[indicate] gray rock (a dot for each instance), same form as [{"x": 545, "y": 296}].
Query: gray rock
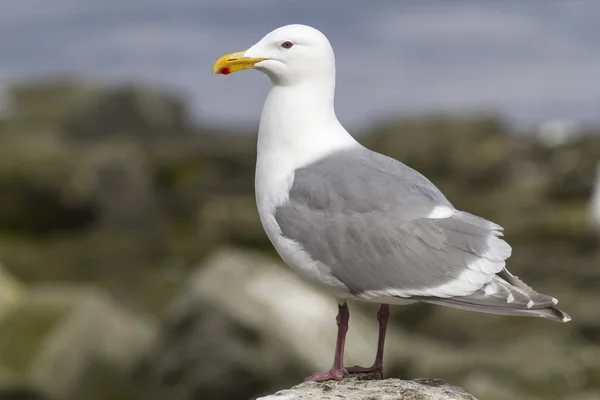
[
  {"x": 594, "y": 203},
  {"x": 115, "y": 177},
  {"x": 128, "y": 110},
  {"x": 10, "y": 291},
  {"x": 388, "y": 389},
  {"x": 55, "y": 337},
  {"x": 248, "y": 319}
]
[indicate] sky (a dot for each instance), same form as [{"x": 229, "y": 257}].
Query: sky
[{"x": 528, "y": 61}]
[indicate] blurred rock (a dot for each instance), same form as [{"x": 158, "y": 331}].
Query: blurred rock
[
  {"x": 472, "y": 150},
  {"x": 247, "y": 319},
  {"x": 57, "y": 334},
  {"x": 131, "y": 110},
  {"x": 557, "y": 132},
  {"x": 45, "y": 104},
  {"x": 594, "y": 203},
  {"x": 115, "y": 178},
  {"x": 11, "y": 292},
  {"x": 388, "y": 389},
  {"x": 33, "y": 175}
]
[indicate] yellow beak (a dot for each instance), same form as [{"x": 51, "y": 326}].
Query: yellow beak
[{"x": 234, "y": 62}]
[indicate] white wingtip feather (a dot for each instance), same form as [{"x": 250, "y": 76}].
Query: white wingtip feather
[
  {"x": 489, "y": 289},
  {"x": 530, "y": 304}
]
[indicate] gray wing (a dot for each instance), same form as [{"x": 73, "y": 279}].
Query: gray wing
[{"x": 369, "y": 219}]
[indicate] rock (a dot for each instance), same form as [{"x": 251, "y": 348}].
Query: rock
[
  {"x": 57, "y": 338},
  {"x": 388, "y": 389},
  {"x": 33, "y": 173},
  {"x": 248, "y": 319},
  {"x": 42, "y": 104},
  {"x": 10, "y": 292},
  {"x": 594, "y": 204},
  {"x": 115, "y": 178},
  {"x": 128, "y": 110},
  {"x": 469, "y": 151}
]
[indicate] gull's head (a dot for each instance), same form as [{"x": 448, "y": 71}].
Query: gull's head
[{"x": 288, "y": 55}]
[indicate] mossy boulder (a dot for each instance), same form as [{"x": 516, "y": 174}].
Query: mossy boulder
[
  {"x": 128, "y": 110},
  {"x": 45, "y": 104},
  {"x": 56, "y": 333},
  {"x": 11, "y": 292}
]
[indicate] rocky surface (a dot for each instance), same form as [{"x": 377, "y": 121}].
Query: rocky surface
[
  {"x": 388, "y": 389},
  {"x": 57, "y": 338}
]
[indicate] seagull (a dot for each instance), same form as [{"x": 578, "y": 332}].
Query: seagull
[{"x": 355, "y": 222}]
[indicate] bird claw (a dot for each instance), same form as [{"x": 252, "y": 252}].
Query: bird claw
[{"x": 332, "y": 375}]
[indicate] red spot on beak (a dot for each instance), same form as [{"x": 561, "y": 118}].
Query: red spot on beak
[{"x": 224, "y": 71}]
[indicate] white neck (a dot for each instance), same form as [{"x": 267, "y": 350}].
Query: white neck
[
  {"x": 299, "y": 122},
  {"x": 297, "y": 127}
]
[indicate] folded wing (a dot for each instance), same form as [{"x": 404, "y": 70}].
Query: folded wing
[{"x": 384, "y": 230}]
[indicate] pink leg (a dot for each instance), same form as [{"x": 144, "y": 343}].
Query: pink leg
[
  {"x": 337, "y": 371},
  {"x": 382, "y": 316}
]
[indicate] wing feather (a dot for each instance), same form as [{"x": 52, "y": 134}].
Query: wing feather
[
  {"x": 386, "y": 231},
  {"x": 366, "y": 217}
]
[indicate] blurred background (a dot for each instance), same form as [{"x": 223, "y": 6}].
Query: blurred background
[{"x": 133, "y": 264}]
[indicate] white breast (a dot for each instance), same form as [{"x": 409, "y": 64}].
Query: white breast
[
  {"x": 287, "y": 142},
  {"x": 274, "y": 179}
]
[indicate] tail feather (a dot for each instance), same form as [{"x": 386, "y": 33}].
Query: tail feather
[
  {"x": 552, "y": 313},
  {"x": 506, "y": 294}
]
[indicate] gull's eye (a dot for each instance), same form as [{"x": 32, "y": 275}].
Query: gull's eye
[{"x": 287, "y": 44}]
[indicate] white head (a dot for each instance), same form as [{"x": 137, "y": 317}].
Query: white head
[
  {"x": 289, "y": 55},
  {"x": 298, "y": 124}
]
